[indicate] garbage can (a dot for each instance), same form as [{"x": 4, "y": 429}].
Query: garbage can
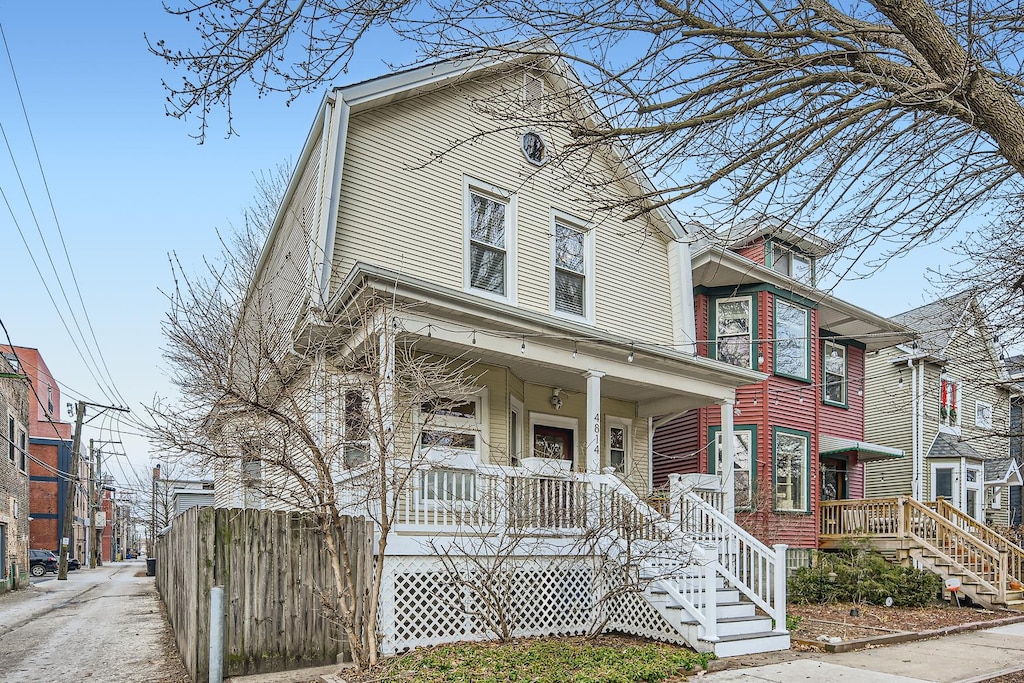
[{"x": 150, "y": 566}]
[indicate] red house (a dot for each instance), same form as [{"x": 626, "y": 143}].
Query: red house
[{"x": 798, "y": 434}]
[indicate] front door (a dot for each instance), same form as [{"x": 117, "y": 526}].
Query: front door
[
  {"x": 556, "y": 443},
  {"x": 834, "y": 480},
  {"x": 946, "y": 483}
]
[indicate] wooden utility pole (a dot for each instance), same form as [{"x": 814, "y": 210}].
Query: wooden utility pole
[
  {"x": 70, "y": 490},
  {"x": 92, "y": 507},
  {"x": 73, "y": 484}
]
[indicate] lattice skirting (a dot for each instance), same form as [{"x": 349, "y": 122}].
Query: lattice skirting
[{"x": 424, "y": 602}]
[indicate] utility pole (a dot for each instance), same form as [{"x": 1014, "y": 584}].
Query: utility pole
[
  {"x": 92, "y": 507},
  {"x": 73, "y": 483},
  {"x": 70, "y": 489}
]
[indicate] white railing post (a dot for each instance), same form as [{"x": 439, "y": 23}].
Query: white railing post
[
  {"x": 675, "y": 497},
  {"x": 780, "y": 588},
  {"x": 711, "y": 601}
]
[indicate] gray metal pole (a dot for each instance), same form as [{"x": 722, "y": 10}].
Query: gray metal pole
[{"x": 216, "y": 634}]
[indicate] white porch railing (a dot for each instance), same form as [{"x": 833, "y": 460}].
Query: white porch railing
[
  {"x": 681, "y": 553},
  {"x": 757, "y": 571}
]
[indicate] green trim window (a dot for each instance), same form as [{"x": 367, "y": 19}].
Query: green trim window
[
  {"x": 833, "y": 368},
  {"x": 733, "y": 326},
  {"x": 744, "y": 465},
  {"x": 792, "y": 340},
  {"x": 792, "y": 470}
]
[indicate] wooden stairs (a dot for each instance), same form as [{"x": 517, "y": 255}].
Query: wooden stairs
[{"x": 938, "y": 537}]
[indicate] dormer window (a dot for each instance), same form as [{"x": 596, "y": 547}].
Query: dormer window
[{"x": 792, "y": 263}]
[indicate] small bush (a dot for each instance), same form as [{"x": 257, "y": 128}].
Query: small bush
[{"x": 857, "y": 575}]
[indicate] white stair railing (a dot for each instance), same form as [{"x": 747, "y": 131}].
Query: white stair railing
[{"x": 757, "y": 571}]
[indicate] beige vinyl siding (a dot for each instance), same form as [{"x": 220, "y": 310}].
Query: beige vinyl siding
[
  {"x": 287, "y": 275},
  {"x": 398, "y": 213},
  {"x": 887, "y": 421}
]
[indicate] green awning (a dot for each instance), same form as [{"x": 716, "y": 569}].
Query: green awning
[{"x": 866, "y": 451}]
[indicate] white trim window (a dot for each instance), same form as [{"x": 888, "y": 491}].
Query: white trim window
[
  {"x": 792, "y": 263},
  {"x": 617, "y": 440},
  {"x": 972, "y": 491},
  {"x": 983, "y": 414},
  {"x": 792, "y": 340},
  {"x": 355, "y": 428},
  {"x": 949, "y": 402},
  {"x": 450, "y": 431},
  {"x": 23, "y": 447},
  {"x": 12, "y": 445},
  {"x": 742, "y": 481},
  {"x": 833, "y": 363},
  {"x": 252, "y": 477},
  {"x": 791, "y": 471},
  {"x": 572, "y": 269},
  {"x": 489, "y": 234},
  {"x": 515, "y": 431},
  {"x": 733, "y": 325}
]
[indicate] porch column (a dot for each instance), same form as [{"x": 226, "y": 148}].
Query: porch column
[
  {"x": 728, "y": 456},
  {"x": 593, "y": 422},
  {"x": 386, "y": 371}
]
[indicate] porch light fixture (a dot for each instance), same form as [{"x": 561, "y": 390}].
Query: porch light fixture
[
  {"x": 522, "y": 349},
  {"x": 574, "y": 349},
  {"x": 556, "y": 400},
  {"x": 474, "y": 336},
  {"x": 429, "y": 331},
  {"x": 900, "y": 385},
  {"x": 760, "y": 356},
  {"x": 629, "y": 358}
]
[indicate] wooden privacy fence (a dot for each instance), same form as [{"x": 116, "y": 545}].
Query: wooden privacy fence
[{"x": 277, "y": 579}]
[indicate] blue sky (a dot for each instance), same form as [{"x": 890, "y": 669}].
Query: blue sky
[{"x": 130, "y": 186}]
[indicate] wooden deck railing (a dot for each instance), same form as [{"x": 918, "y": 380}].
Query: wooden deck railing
[{"x": 905, "y": 518}]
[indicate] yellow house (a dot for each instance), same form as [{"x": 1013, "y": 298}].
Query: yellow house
[{"x": 485, "y": 239}]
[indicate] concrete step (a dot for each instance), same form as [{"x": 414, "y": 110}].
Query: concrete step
[{"x": 735, "y": 626}]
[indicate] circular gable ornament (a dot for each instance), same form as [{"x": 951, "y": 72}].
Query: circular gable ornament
[{"x": 534, "y": 148}]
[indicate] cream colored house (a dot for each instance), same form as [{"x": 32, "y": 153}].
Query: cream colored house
[
  {"x": 493, "y": 246},
  {"x": 944, "y": 400}
]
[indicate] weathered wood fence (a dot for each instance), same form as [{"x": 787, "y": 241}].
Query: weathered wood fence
[{"x": 277, "y": 581}]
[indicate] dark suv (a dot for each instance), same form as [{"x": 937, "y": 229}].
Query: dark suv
[{"x": 42, "y": 561}]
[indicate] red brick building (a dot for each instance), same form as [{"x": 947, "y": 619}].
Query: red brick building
[{"x": 50, "y": 442}]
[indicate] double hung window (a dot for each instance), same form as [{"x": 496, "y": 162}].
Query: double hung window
[
  {"x": 834, "y": 369},
  {"x": 792, "y": 340},
  {"x": 572, "y": 269},
  {"x": 742, "y": 465},
  {"x": 489, "y": 241},
  {"x": 949, "y": 403},
  {"x": 618, "y": 438},
  {"x": 792, "y": 263},
  {"x": 792, "y": 470},
  {"x": 733, "y": 328}
]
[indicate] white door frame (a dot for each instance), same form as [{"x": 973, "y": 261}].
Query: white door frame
[
  {"x": 954, "y": 484},
  {"x": 560, "y": 421}
]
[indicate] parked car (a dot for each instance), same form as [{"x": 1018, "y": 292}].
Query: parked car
[
  {"x": 41, "y": 562},
  {"x": 73, "y": 563}
]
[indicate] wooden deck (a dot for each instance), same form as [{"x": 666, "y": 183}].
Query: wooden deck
[{"x": 938, "y": 537}]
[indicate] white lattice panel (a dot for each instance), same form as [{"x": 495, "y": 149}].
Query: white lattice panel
[
  {"x": 422, "y": 605},
  {"x": 631, "y": 613}
]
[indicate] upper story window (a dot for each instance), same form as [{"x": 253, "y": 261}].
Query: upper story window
[
  {"x": 49, "y": 399},
  {"x": 734, "y": 322},
  {"x": 23, "y": 448},
  {"x": 12, "y": 358},
  {"x": 12, "y": 445},
  {"x": 490, "y": 240},
  {"x": 949, "y": 403},
  {"x": 834, "y": 365},
  {"x": 792, "y": 340},
  {"x": 791, "y": 263},
  {"x": 572, "y": 266},
  {"x": 355, "y": 425}
]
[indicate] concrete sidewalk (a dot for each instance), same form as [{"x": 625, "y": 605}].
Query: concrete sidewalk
[{"x": 968, "y": 657}]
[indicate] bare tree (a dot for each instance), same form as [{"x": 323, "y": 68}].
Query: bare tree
[
  {"x": 318, "y": 412},
  {"x": 879, "y": 124}
]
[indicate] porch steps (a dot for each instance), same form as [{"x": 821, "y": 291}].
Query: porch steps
[
  {"x": 969, "y": 586},
  {"x": 741, "y": 631}
]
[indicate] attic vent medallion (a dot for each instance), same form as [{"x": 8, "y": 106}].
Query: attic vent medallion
[{"x": 534, "y": 148}]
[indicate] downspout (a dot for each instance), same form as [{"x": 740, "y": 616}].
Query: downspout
[
  {"x": 921, "y": 367},
  {"x": 915, "y": 484}
]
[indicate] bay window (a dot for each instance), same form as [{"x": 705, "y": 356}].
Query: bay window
[
  {"x": 733, "y": 330},
  {"x": 792, "y": 340}
]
